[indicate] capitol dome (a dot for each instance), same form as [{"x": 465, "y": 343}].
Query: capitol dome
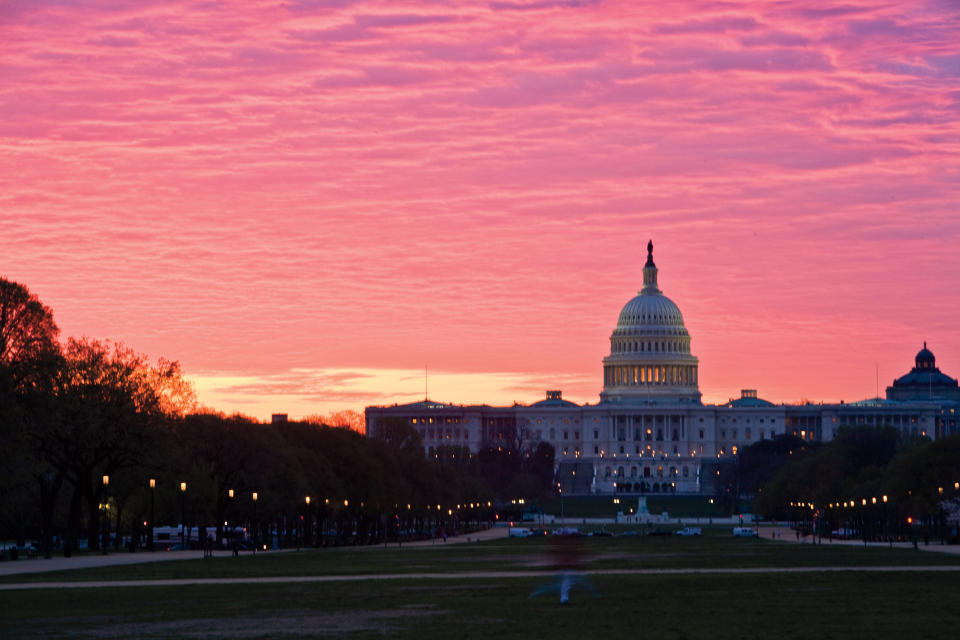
[{"x": 650, "y": 356}]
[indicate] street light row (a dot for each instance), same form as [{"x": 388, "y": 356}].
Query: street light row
[
  {"x": 853, "y": 503},
  {"x": 346, "y": 503}
]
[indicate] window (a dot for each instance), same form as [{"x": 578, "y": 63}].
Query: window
[
  {"x": 596, "y": 434},
  {"x": 553, "y": 434},
  {"x": 748, "y": 433},
  {"x": 701, "y": 434},
  {"x": 576, "y": 435},
  {"x": 566, "y": 435},
  {"x": 596, "y": 450}
]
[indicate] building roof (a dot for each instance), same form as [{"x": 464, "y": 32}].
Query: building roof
[
  {"x": 748, "y": 398},
  {"x": 554, "y": 400}
]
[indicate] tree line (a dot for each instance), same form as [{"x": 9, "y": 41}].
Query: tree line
[
  {"x": 97, "y": 439},
  {"x": 868, "y": 482}
]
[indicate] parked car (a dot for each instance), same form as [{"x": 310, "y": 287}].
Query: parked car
[
  {"x": 539, "y": 533},
  {"x": 843, "y": 534},
  {"x": 601, "y": 533},
  {"x": 690, "y": 531},
  {"x": 744, "y": 532},
  {"x": 519, "y": 532},
  {"x": 566, "y": 531}
]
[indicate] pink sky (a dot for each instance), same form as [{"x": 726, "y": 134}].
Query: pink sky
[{"x": 306, "y": 202}]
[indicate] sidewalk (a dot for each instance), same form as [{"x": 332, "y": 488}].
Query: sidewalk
[
  {"x": 785, "y": 534},
  {"x": 88, "y": 561}
]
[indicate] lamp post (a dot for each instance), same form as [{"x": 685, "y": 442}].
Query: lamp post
[
  {"x": 226, "y": 516},
  {"x": 183, "y": 517},
  {"x": 106, "y": 519},
  {"x": 307, "y": 528},
  {"x": 153, "y": 487},
  {"x": 255, "y": 496}
]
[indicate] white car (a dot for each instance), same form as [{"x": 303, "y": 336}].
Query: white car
[
  {"x": 519, "y": 532},
  {"x": 744, "y": 532},
  {"x": 690, "y": 531}
]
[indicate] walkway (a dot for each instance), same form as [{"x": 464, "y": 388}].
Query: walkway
[
  {"x": 472, "y": 575},
  {"x": 92, "y": 560}
]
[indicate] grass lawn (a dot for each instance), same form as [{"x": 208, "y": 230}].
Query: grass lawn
[{"x": 887, "y": 604}]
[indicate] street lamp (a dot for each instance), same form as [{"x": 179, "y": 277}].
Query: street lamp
[
  {"x": 307, "y": 525},
  {"x": 255, "y": 496},
  {"x": 227, "y": 516},
  {"x": 153, "y": 486},
  {"x": 183, "y": 516},
  {"x": 106, "y": 519}
]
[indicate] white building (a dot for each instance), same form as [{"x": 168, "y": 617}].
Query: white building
[{"x": 650, "y": 433}]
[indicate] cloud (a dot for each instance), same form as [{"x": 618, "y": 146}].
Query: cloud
[
  {"x": 284, "y": 193},
  {"x": 712, "y": 25}
]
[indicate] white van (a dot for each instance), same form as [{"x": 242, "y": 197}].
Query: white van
[
  {"x": 519, "y": 532},
  {"x": 744, "y": 532}
]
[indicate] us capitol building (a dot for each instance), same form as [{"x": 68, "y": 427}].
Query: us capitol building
[{"x": 650, "y": 432}]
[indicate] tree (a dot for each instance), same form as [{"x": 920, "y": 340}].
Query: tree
[
  {"x": 108, "y": 406},
  {"x": 29, "y": 356},
  {"x": 28, "y": 337},
  {"x": 345, "y": 419},
  {"x": 399, "y": 435}
]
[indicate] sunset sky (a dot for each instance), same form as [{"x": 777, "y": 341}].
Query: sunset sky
[{"x": 305, "y": 203}]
